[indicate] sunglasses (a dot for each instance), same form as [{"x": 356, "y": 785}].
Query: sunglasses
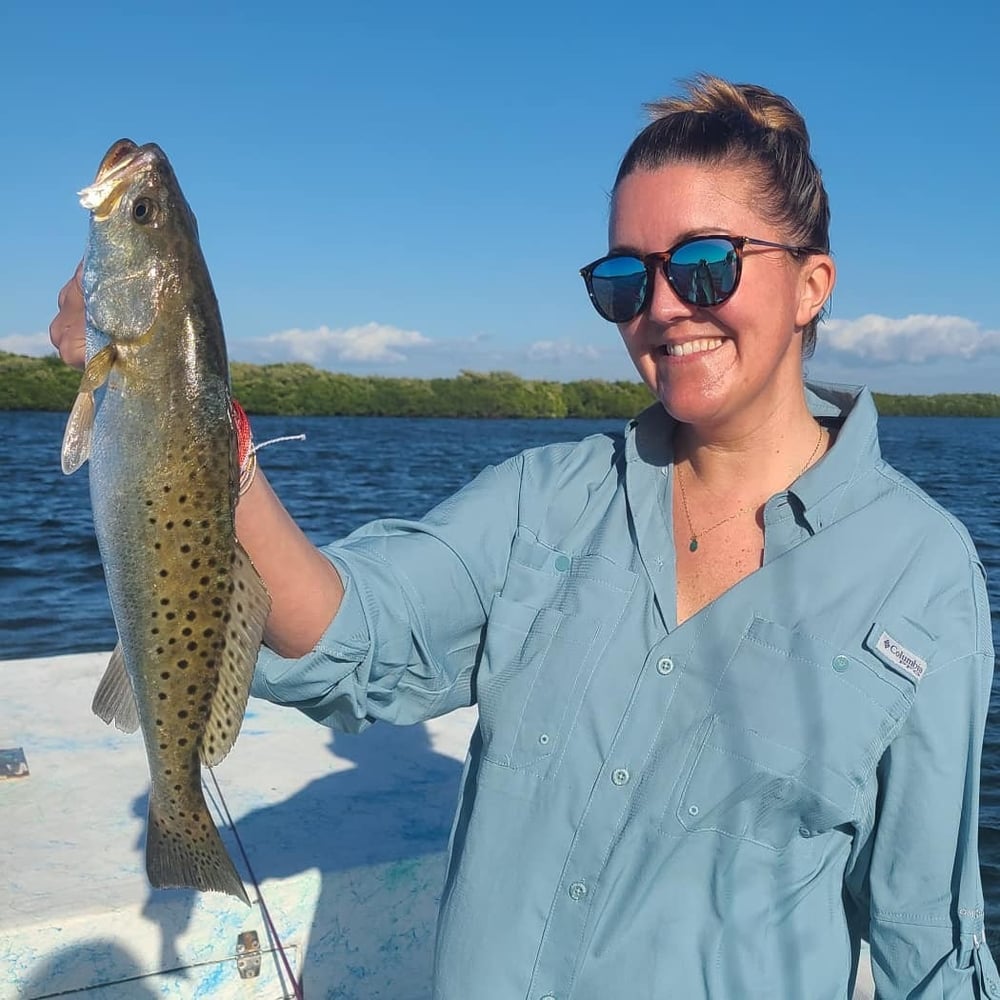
[{"x": 702, "y": 271}]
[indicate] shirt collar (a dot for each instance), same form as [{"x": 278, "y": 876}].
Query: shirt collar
[{"x": 849, "y": 410}]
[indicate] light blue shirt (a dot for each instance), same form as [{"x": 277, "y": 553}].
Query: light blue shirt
[{"x": 718, "y": 809}]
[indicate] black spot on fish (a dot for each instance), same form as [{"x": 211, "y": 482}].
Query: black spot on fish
[
  {"x": 204, "y": 581},
  {"x": 195, "y": 563},
  {"x": 164, "y": 601},
  {"x": 182, "y": 742},
  {"x": 185, "y": 549},
  {"x": 192, "y": 646},
  {"x": 182, "y": 498},
  {"x": 182, "y": 664},
  {"x": 169, "y": 525},
  {"x": 170, "y": 616},
  {"x": 166, "y": 489},
  {"x": 185, "y": 631},
  {"x": 193, "y": 594},
  {"x": 165, "y": 674},
  {"x": 208, "y": 633},
  {"x": 164, "y": 573},
  {"x": 152, "y": 520},
  {"x": 192, "y": 689},
  {"x": 191, "y": 615},
  {"x": 182, "y": 714}
]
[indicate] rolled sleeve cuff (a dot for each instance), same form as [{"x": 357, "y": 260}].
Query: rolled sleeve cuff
[{"x": 328, "y": 683}]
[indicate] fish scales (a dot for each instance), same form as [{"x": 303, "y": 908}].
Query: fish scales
[{"x": 164, "y": 478}]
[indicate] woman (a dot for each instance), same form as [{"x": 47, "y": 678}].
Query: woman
[{"x": 732, "y": 670}]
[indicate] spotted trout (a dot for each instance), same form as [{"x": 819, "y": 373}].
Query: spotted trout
[{"x": 164, "y": 480}]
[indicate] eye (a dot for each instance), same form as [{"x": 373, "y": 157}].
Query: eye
[{"x": 144, "y": 210}]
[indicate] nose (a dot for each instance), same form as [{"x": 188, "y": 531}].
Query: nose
[{"x": 665, "y": 305}]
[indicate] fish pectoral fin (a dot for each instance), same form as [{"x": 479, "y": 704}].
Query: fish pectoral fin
[
  {"x": 114, "y": 700},
  {"x": 76, "y": 438},
  {"x": 249, "y": 606},
  {"x": 80, "y": 426}
]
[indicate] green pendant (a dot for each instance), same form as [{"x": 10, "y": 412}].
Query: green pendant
[{"x": 693, "y": 546}]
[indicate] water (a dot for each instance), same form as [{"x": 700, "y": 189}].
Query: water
[{"x": 352, "y": 469}]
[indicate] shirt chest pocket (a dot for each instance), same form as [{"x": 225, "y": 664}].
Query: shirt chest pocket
[
  {"x": 795, "y": 729},
  {"x": 545, "y": 635}
]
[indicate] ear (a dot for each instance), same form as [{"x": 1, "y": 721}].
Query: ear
[{"x": 816, "y": 280}]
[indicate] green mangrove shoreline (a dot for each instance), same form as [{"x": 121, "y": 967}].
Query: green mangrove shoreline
[{"x": 28, "y": 383}]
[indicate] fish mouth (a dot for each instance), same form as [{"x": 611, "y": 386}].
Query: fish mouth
[{"x": 119, "y": 164}]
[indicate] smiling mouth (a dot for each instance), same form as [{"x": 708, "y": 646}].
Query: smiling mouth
[{"x": 702, "y": 346}]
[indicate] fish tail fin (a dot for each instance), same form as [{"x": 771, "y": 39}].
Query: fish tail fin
[{"x": 184, "y": 850}]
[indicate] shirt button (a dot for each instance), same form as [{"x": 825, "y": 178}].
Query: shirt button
[
  {"x": 841, "y": 663},
  {"x": 664, "y": 665},
  {"x": 577, "y": 891},
  {"x": 693, "y": 810},
  {"x": 562, "y": 563},
  {"x": 620, "y": 776},
  {"x": 544, "y": 738},
  {"x": 804, "y": 831},
  {"x": 548, "y": 996}
]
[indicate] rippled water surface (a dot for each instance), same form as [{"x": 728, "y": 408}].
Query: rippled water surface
[{"x": 351, "y": 469}]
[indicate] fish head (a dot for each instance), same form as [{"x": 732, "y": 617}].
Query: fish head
[{"x": 143, "y": 236}]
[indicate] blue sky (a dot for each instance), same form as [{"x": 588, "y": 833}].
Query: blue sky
[{"x": 410, "y": 189}]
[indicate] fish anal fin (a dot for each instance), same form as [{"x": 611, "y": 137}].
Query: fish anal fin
[
  {"x": 114, "y": 700},
  {"x": 249, "y": 606}
]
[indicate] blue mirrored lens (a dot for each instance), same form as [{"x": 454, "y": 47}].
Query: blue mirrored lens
[
  {"x": 619, "y": 287},
  {"x": 704, "y": 272}
]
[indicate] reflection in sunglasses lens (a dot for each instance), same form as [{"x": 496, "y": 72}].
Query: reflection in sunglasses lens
[
  {"x": 703, "y": 272},
  {"x": 619, "y": 286}
]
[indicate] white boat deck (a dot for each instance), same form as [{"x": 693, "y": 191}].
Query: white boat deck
[{"x": 346, "y": 835}]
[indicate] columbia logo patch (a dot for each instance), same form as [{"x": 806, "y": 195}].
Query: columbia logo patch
[{"x": 898, "y": 656}]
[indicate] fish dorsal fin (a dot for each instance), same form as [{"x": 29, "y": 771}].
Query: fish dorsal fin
[
  {"x": 80, "y": 426},
  {"x": 114, "y": 700},
  {"x": 249, "y": 606}
]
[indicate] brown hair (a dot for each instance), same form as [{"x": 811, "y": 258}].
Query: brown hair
[{"x": 717, "y": 121}]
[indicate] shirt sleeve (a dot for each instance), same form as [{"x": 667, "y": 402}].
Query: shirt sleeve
[
  {"x": 405, "y": 642},
  {"x": 918, "y": 879}
]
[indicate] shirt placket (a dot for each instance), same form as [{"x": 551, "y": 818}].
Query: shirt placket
[{"x": 638, "y": 736}]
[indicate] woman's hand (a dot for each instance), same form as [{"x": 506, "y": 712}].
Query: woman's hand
[{"x": 68, "y": 330}]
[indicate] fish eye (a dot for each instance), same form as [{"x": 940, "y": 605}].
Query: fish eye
[{"x": 144, "y": 210}]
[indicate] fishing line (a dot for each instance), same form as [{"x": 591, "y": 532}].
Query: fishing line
[{"x": 272, "y": 929}]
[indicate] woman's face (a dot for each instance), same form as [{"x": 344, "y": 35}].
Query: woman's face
[{"x": 742, "y": 360}]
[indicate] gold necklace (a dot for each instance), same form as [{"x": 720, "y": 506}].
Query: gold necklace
[{"x": 693, "y": 544}]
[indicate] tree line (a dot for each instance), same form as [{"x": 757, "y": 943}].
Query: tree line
[{"x": 301, "y": 390}]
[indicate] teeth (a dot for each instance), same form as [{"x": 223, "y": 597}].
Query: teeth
[{"x": 693, "y": 347}]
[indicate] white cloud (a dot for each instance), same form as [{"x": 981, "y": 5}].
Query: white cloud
[
  {"x": 36, "y": 345},
  {"x": 370, "y": 344},
  {"x": 911, "y": 340},
  {"x": 561, "y": 350}
]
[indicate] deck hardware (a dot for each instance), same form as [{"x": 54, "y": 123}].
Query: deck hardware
[
  {"x": 13, "y": 763},
  {"x": 248, "y": 955}
]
